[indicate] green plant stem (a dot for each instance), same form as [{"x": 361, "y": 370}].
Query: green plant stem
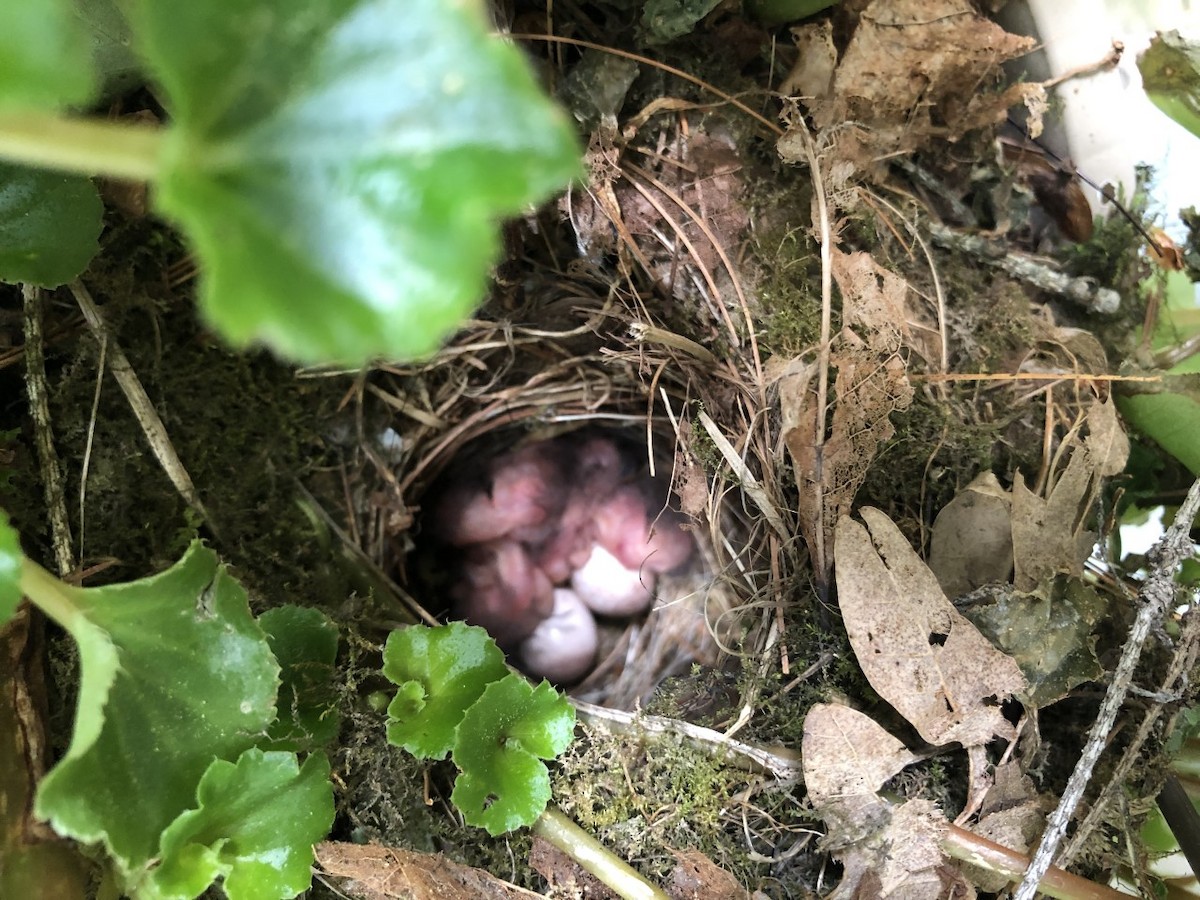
[
  {"x": 81, "y": 146},
  {"x": 49, "y": 594},
  {"x": 555, "y": 827}
]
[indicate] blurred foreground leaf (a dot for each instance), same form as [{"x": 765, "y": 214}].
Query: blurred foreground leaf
[
  {"x": 342, "y": 172},
  {"x": 10, "y": 569},
  {"x": 44, "y": 58},
  {"x": 1170, "y": 70}
]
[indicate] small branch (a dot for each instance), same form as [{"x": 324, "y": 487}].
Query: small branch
[
  {"x": 82, "y": 146},
  {"x": 750, "y": 757},
  {"x": 1097, "y": 299},
  {"x": 593, "y": 856},
  {"x": 139, "y": 402},
  {"x": 979, "y": 851},
  {"x": 43, "y": 432},
  {"x": 1156, "y": 595}
]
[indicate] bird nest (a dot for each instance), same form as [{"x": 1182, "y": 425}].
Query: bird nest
[{"x": 573, "y": 356}]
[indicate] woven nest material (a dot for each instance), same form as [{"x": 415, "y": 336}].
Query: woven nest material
[{"x": 597, "y": 357}]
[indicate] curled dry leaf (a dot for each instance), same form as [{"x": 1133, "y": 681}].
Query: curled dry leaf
[
  {"x": 1049, "y": 534},
  {"x": 915, "y": 71},
  {"x": 871, "y": 384},
  {"x": 886, "y": 851},
  {"x": 972, "y": 538}
]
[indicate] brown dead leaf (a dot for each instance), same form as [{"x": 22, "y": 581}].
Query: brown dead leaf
[
  {"x": 917, "y": 651},
  {"x": 564, "y": 875},
  {"x": 887, "y": 851},
  {"x": 915, "y": 648},
  {"x": 691, "y": 480},
  {"x": 915, "y": 71},
  {"x": 972, "y": 538},
  {"x": 1012, "y": 815},
  {"x": 1108, "y": 444},
  {"x": 386, "y": 873},
  {"x": 1049, "y": 534},
  {"x": 846, "y": 754},
  {"x": 816, "y": 57},
  {"x": 696, "y": 877},
  {"x": 870, "y": 385}
]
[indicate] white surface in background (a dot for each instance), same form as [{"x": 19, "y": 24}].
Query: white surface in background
[{"x": 1110, "y": 123}]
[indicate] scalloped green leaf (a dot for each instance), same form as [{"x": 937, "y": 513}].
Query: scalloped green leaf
[
  {"x": 499, "y": 746},
  {"x": 49, "y": 225},
  {"x": 305, "y": 644},
  {"x": 10, "y": 569},
  {"x": 342, "y": 172},
  {"x": 45, "y": 59},
  {"x": 441, "y": 672},
  {"x": 254, "y": 826},
  {"x": 174, "y": 673}
]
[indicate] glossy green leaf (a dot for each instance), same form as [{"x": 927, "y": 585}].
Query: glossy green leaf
[
  {"x": 254, "y": 826},
  {"x": 499, "y": 747},
  {"x": 665, "y": 20},
  {"x": 175, "y": 673},
  {"x": 441, "y": 672},
  {"x": 342, "y": 172},
  {"x": 44, "y": 58},
  {"x": 305, "y": 644},
  {"x": 1170, "y": 70},
  {"x": 49, "y": 225},
  {"x": 777, "y": 12},
  {"x": 10, "y": 569}
]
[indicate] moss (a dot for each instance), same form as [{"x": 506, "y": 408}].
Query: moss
[{"x": 643, "y": 799}]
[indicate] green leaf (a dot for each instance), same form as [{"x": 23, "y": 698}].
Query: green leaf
[
  {"x": 441, "y": 672},
  {"x": 10, "y": 569},
  {"x": 44, "y": 58},
  {"x": 254, "y": 826},
  {"x": 665, "y": 20},
  {"x": 175, "y": 673},
  {"x": 777, "y": 12},
  {"x": 1048, "y": 633},
  {"x": 342, "y": 171},
  {"x": 504, "y": 785},
  {"x": 1170, "y": 70},
  {"x": 49, "y": 225},
  {"x": 305, "y": 643}
]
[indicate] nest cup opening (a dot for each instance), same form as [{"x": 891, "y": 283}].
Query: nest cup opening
[
  {"x": 563, "y": 420},
  {"x": 574, "y": 556}
]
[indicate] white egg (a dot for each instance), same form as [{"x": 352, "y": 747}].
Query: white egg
[
  {"x": 611, "y": 589},
  {"x": 563, "y": 647}
]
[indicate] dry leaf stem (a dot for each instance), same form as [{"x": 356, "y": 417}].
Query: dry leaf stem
[
  {"x": 139, "y": 402},
  {"x": 1156, "y": 595},
  {"x": 39, "y": 410}
]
